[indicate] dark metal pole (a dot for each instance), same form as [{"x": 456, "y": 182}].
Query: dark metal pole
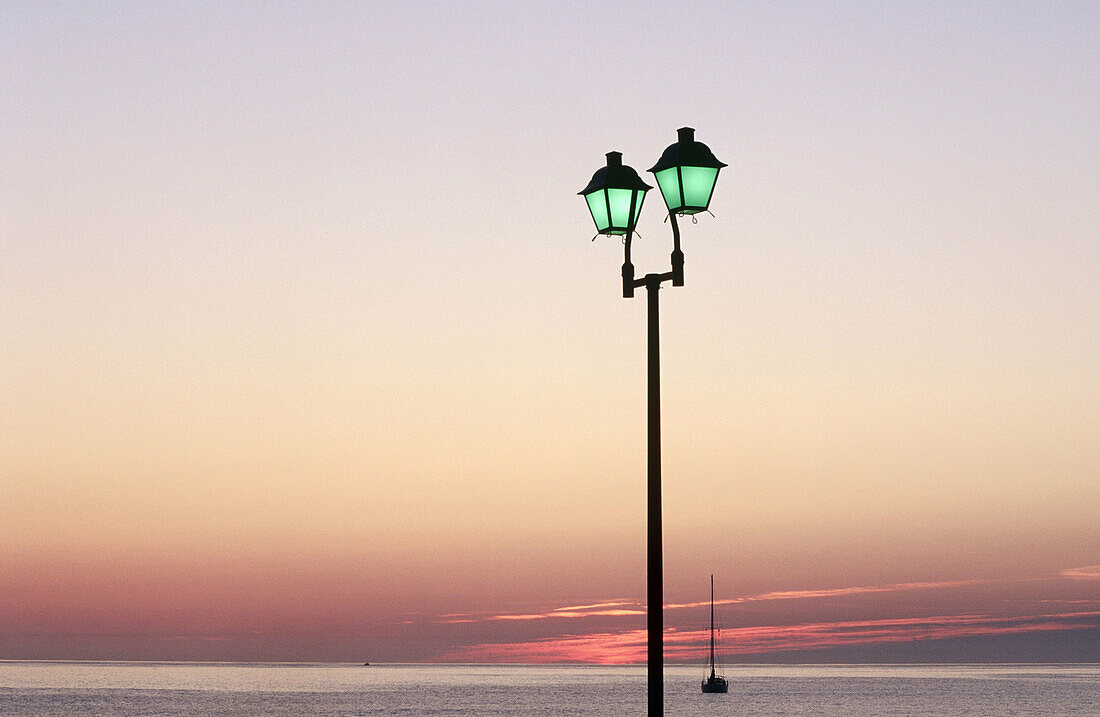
[{"x": 655, "y": 575}]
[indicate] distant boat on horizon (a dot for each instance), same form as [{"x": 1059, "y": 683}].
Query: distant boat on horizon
[{"x": 714, "y": 682}]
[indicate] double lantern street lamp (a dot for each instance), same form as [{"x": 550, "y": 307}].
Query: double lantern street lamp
[{"x": 686, "y": 174}]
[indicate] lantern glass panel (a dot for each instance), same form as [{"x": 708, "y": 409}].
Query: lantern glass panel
[
  {"x": 669, "y": 182},
  {"x": 597, "y": 204},
  {"x": 619, "y": 200},
  {"x": 640, "y": 197},
  {"x": 698, "y": 186}
]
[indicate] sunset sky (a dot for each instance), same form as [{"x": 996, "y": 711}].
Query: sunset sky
[{"x": 307, "y": 354}]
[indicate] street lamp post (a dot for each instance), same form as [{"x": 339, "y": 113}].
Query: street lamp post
[{"x": 686, "y": 174}]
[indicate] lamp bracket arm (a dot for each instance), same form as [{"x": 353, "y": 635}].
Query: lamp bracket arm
[
  {"x": 677, "y": 255},
  {"x": 657, "y": 279},
  {"x": 628, "y": 268}
]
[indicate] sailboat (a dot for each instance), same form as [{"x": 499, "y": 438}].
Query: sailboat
[{"x": 714, "y": 682}]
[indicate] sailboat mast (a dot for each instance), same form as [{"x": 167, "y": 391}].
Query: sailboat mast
[{"x": 712, "y": 624}]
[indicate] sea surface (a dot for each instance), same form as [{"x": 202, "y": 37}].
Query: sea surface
[{"x": 162, "y": 689}]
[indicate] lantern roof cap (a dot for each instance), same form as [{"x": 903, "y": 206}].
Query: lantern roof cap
[
  {"x": 687, "y": 152},
  {"x": 615, "y": 175}
]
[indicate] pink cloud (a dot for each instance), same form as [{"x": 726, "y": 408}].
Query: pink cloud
[
  {"x": 620, "y": 608},
  {"x": 1087, "y": 572},
  {"x": 832, "y": 592},
  {"x": 616, "y": 608},
  {"x": 629, "y": 645},
  {"x": 597, "y": 648},
  {"x": 616, "y": 603},
  {"x": 688, "y": 645}
]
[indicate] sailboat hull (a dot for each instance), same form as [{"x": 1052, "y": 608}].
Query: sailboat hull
[{"x": 715, "y": 684}]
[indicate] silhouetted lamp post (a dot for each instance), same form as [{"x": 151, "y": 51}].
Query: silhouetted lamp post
[{"x": 686, "y": 174}]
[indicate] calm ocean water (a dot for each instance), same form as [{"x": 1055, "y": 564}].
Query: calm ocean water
[{"x": 107, "y": 689}]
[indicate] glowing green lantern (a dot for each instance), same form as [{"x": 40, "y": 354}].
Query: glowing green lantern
[
  {"x": 615, "y": 196},
  {"x": 686, "y": 174}
]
